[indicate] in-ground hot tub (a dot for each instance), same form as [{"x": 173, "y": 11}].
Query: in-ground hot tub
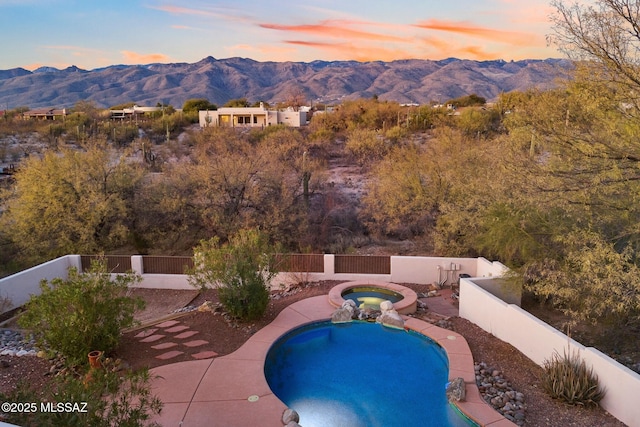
[{"x": 370, "y": 294}]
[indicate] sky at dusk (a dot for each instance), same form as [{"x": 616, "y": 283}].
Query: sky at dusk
[{"x": 92, "y": 34}]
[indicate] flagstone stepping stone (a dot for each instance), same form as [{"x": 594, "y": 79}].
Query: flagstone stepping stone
[
  {"x": 195, "y": 343},
  {"x": 168, "y": 323},
  {"x": 186, "y": 334},
  {"x": 204, "y": 355},
  {"x": 169, "y": 355},
  {"x": 146, "y": 333},
  {"x": 177, "y": 328},
  {"x": 152, "y": 338},
  {"x": 164, "y": 345}
]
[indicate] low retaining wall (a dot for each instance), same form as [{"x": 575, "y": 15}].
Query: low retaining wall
[
  {"x": 18, "y": 288},
  {"x": 403, "y": 269},
  {"x": 538, "y": 341}
]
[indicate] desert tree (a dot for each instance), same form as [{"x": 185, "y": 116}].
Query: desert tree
[
  {"x": 584, "y": 157},
  {"x": 295, "y": 98},
  {"x": 604, "y": 36},
  {"x": 238, "y": 102},
  {"x": 230, "y": 182},
  {"x": 197, "y": 104},
  {"x": 72, "y": 201}
]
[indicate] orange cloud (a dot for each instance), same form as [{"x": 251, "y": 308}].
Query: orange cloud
[
  {"x": 440, "y": 48},
  {"x": 32, "y": 67},
  {"x": 510, "y": 37},
  {"x": 477, "y": 53},
  {"x": 335, "y": 29},
  {"x": 138, "y": 58}
]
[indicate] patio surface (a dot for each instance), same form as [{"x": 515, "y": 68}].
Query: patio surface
[{"x": 231, "y": 390}]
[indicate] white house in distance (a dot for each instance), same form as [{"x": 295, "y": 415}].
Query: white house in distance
[
  {"x": 134, "y": 111},
  {"x": 251, "y": 117}
]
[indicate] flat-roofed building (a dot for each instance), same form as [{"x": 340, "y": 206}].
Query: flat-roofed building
[{"x": 251, "y": 117}]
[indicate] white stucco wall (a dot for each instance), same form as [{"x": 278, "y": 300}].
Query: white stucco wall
[
  {"x": 538, "y": 341},
  {"x": 426, "y": 270},
  {"x": 20, "y": 286}
]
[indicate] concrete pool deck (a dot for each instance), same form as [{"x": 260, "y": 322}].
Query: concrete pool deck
[{"x": 232, "y": 390}]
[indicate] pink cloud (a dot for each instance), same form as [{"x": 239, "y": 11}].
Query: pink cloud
[{"x": 138, "y": 58}]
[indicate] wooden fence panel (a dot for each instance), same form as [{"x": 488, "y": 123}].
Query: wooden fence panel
[
  {"x": 115, "y": 263},
  {"x": 166, "y": 264},
  {"x": 363, "y": 264},
  {"x": 300, "y": 263}
]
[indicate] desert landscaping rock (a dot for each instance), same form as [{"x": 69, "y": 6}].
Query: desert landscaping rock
[
  {"x": 14, "y": 343},
  {"x": 499, "y": 393},
  {"x": 290, "y": 415},
  {"x": 456, "y": 390}
]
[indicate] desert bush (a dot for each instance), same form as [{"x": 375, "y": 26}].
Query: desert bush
[
  {"x": 83, "y": 313},
  {"x": 366, "y": 145},
  {"x": 112, "y": 399},
  {"x": 396, "y": 134},
  {"x": 567, "y": 378},
  {"x": 241, "y": 269}
]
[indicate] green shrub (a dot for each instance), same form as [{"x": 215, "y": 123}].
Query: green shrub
[
  {"x": 241, "y": 269},
  {"x": 83, "y": 313},
  {"x": 246, "y": 298},
  {"x": 112, "y": 399},
  {"x": 567, "y": 378}
]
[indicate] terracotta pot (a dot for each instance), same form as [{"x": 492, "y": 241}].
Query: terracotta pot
[{"x": 94, "y": 359}]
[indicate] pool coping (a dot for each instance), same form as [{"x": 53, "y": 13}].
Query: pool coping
[{"x": 232, "y": 390}]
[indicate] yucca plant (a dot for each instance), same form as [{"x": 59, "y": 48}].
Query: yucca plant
[{"x": 568, "y": 378}]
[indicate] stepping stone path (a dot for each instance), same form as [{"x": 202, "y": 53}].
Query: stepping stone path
[{"x": 172, "y": 334}]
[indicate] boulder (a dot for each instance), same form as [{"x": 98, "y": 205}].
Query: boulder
[
  {"x": 386, "y": 306},
  {"x": 341, "y": 315},
  {"x": 391, "y": 318},
  {"x": 289, "y": 415},
  {"x": 349, "y": 304},
  {"x": 456, "y": 390}
]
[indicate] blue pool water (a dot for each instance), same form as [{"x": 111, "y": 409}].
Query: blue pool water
[{"x": 361, "y": 375}]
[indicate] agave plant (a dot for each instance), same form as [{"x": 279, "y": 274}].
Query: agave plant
[{"x": 568, "y": 378}]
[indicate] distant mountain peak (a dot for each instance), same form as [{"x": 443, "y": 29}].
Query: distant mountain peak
[
  {"x": 219, "y": 80},
  {"x": 73, "y": 69},
  {"x": 45, "y": 69}
]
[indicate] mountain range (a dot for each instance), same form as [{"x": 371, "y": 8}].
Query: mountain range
[{"x": 220, "y": 80}]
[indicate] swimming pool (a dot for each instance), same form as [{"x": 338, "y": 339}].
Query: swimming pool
[{"x": 361, "y": 374}]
